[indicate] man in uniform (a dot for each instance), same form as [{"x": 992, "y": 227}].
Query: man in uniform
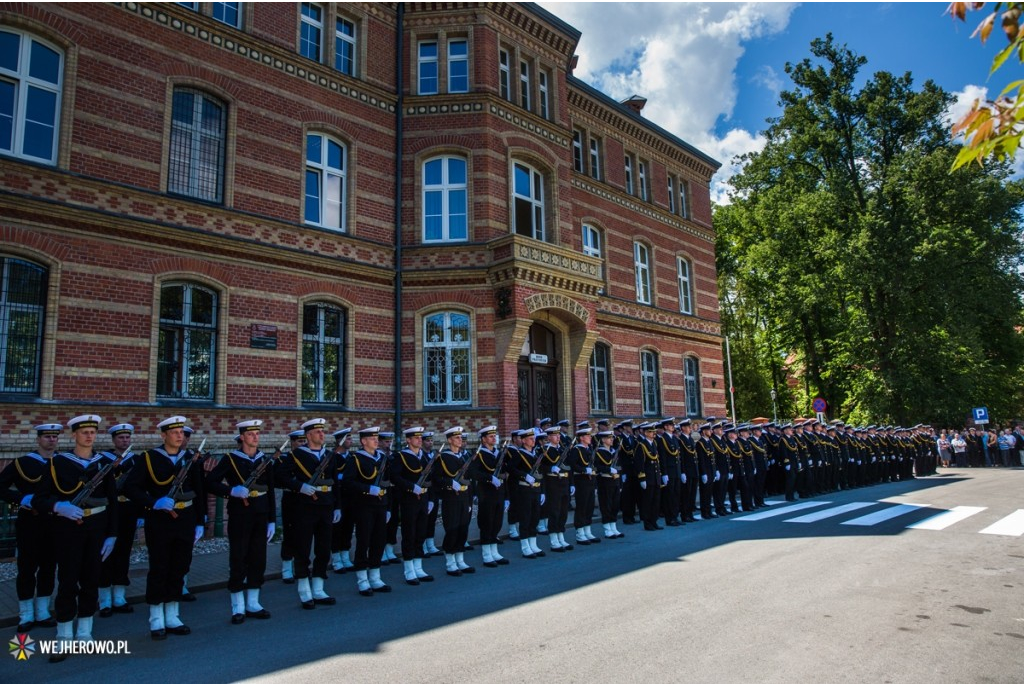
[
  {"x": 626, "y": 449},
  {"x": 524, "y": 480},
  {"x": 366, "y": 481},
  {"x": 609, "y": 483},
  {"x": 168, "y": 484},
  {"x": 580, "y": 462},
  {"x": 429, "y": 546},
  {"x": 721, "y": 467},
  {"x": 487, "y": 472},
  {"x": 649, "y": 475},
  {"x": 245, "y": 479},
  {"x": 670, "y": 458},
  {"x": 407, "y": 472},
  {"x": 706, "y": 467},
  {"x": 789, "y": 456},
  {"x": 760, "y": 449},
  {"x": 689, "y": 475},
  {"x": 296, "y": 439},
  {"x": 114, "y": 579},
  {"x": 456, "y": 506},
  {"x": 37, "y": 561},
  {"x": 558, "y": 488},
  {"x": 386, "y": 440},
  {"x": 342, "y": 531}
]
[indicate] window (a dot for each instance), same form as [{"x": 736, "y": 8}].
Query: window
[
  {"x": 228, "y": 13},
  {"x": 542, "y": 86},
  {"x": 187, "y": 348},
  {"x": 591, "y": 241},
  {"x": 428, "y": 68},
  {"x": 671, "y": 196},
  {"x": 325, "y": 182},
  {"x": 684, "y": 200},
  {"x": 577, "y": 150},
  {"x": 190, "y": 5},
  {"x": 312, "y": 27},
  {"x": 458, "y": 66},
  {"x": 645, "y": 193},
  {"x": 31, "y": 74},
  {"x": 524, "y": 85},
  {"x": 198, "y": 135},
  {"x": 323, "y": 353},
  {"x": 528, "y": 195},
  {"x": 649, "y": 386},
  {"x": 685, "y": 286},
  {"x": 629, "y": 175},
  {"x": 22, "y": 315},
  {"x": 345, "y": 46},
  {"x": 595, "y": 158},
  {"x": 504, "y": 75},
  {"x": 691, "y": 381},
  {"x": 600, "y": 379},
  {"x": 446, "y": 363},
  {"x": 642, "y": 262},
  {"x": 444, "y": 199}
]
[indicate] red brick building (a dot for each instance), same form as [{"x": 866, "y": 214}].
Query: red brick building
[{"x": 198, "y": 212}]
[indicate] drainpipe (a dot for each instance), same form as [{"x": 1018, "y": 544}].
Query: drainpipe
[{"x": 399, "y": 114}]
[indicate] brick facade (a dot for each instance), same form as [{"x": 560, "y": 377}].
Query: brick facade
[{"x": 101, "y": 219}]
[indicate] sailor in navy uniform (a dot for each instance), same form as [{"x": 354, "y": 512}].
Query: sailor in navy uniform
[
  {"x": 114, "y": 579},
  {"x": 580, "y": 462},
  {"x": 609, "y": 483},
  {"x": 343, "y": 530},
  {"x": 366, "y": 482},
  {"x": 386, "y": 441},
  {"x": 526, "y": 487},
  {"x": 492, "y": 499},
  {"x": 429, "y": 546},
  {"x": 37, "y": 561},
  {"x": 84, "y": 531},
  {"x": 689, "y": 475},
  {"x": 251, "y": 518},
  {"x": 456, "y": 505},
  {"x": 413, "y": 501},
  {"x": 296, "y": 439}
]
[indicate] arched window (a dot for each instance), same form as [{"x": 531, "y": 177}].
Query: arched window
[
  {"x": 323, "y": 353},
  {"x": 22, "y": 316},
  {"x": 684, "y": 277},
  {"x": 600, "y": 379},
  {"x": 691, "y": 381},
  {"x": 528, "y": 196},
  {"x": 444, "y": 200},
  {"x": 198, "y": 137},
  {"x": 31, "y": 74},
  {"x": 447, "y": 377},
  {"x": 642, "y": 265},
  {"x": 187, "y": 354},
  {"x": 650, "y": 386},
  {"x": 325, "y": 182}
]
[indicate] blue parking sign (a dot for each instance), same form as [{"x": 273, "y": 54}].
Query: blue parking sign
[{"x": 980, "y": 414}]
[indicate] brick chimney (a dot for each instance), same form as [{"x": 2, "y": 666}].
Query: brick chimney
[{"x": 635, "y": 103}]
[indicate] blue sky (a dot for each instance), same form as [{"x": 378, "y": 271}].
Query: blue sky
[{"x": 712, "y": 71}]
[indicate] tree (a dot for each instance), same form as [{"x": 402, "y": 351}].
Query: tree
[{"x": 850, "y": 245}]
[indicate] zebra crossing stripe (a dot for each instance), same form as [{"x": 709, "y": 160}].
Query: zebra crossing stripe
[
  {"x": 780, "y": 512},
  {"x": 884, "y": 515},
  {"x": 829, "y": 513},
  {"x": 1009, "y": 525},
  {"x": 946, "y": 518}
]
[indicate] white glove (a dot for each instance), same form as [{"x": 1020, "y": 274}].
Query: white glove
[
  {"x": 387, "y": 516},
  {"x": 555, "y": 469},
  {"x": 819, "y": 462},
  {"x": 755, "y": 472},
  {"x": 613, "y": 471},
  {"x": 718, "y": 476},
  {"x": 572, "y": 490},
  {"x": 507, "y": 503},
  {"x": 164, "y": 504},
  {"x": 456, "y": 485},
  {"x": 107, "y": 548},
  {"x": 26, "y": 501},
  {"x": 271, "y": 528},
  {"x": 239, "y": 491},
  {"x": 623, "y": 478},
  {"x": 530, "y": 479},
  {"x": 139, "y": 523},
  {"x": 590, "y": 471},
  {"x": 417, "y": 490},
  {"x": 730, "y": 475},
  {"x": 664, "y": 480},
  {"x": 336, "y": 516},
  {"x": 704, "y": 478},
  {"x": 495, "y": 481},
  {"x": 542, "y": 498},
  {"x": 430, "y": 508},
  {"x": 643, "y": 485},
  {"x": 199, "y": 533},
  {"x": 859, "y": 463},
  {"x": 787, "y": 467},
  {"x": 374, "y": 490},
  {"x": 68, "y": 511},
  {"x": 307, "y": 489},
  {"x": 682, "y": 477}
]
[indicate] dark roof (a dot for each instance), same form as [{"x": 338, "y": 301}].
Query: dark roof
[{"x": 552, "y": 19}]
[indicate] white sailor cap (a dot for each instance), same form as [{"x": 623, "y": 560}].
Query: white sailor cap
[
  {"x": 488, "y": 430},
  {"x": 387, "y": 435},
  {"x": 297, "y": 435},
  {"x": 414, "y": 432},
  {"x": 371, "y": 432},
  {"x": 583, "y": 431},
  {"x": 428, "y": 435},
  {"x": 250, "y": 425},
  {"x": 339, "y": 435},
  {"x": 121, "y": 428},
  {"x": 551, "y": 430},
  {"x": 313, "y": 424},
  {"x": 453, "y": 431},
  {"x": 188, "y": 430},
  {"x": 606, "y": 434},
  {"x": 49, "y": 429},
  {"x": 84, "y": 421}
]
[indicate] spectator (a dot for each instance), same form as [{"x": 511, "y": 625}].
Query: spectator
[
  {"x": 944, "y": 449},
  {"x": 959, "y": 446}
]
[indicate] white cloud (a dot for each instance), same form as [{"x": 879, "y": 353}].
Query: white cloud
[
  {"x": 963, "y": 100},
  {"x": 682, "y": 57}
]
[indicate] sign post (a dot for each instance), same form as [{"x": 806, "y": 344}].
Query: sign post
[{"x": 980, "y": 415}]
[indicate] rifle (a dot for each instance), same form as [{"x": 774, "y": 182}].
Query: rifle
[
  {"x": 422, "y": 482},
  {"x": 179, "y": 480},
  {"x": 460, "y": 474},
  {"x": 124, "y": 476},
  {"x": 536, "y": 465},
  {"x": 501, "y": 461},
  {"x": 258, "y": 471},
  {"x": 319, "y": 471},
  {"x": 95, "y": 481}
]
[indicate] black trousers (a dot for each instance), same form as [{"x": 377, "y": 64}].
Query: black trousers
[
  {"x": 791, "y": 483},
  {"x": 630, "y": 499},
  {"x": 528, "y": 503},
  {"x": 37, "y": 555},
  {"x": 556, "y": 501},
  {"x": 312, "y": 531},
  {"x": 114, "y": 571},
  {"x": 342, "y": 531},
  {"x": 371, "y": 532},
  {"x": 760, "y": 478},
  {"x": 670, "y": 498},
  {"x": 414, "y": 524},
  {"x": 650, "y": 501},
  {"x": 247, "y": 547},
  {"x": 169, "y": 542},
  {"x": 78, "y": 565},
  {"x": 609, "y": 491},
  {"x": 688, "y": 492},
  {"x": 396, "y": 519},
  {"x": 455, "y": 517},
  {"x": 706, "y": 496},
  {"x": 490, "y": 511},
  {"x": 432, "y": 519},
  {"x": 583, "y": 515},
  {"x": 287, "y": 526},
  {"x": 719, "y": 492}
]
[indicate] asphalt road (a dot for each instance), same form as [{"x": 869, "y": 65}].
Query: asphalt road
[{"x": 730, "y": 600}]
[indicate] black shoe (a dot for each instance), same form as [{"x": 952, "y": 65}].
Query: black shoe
[
  {"x": 179, "y": 630},
  {"x": 629, "y": 522},
  {"x": 427, "y": 579},
  {"x": 50, "y": 622},
  {"x": 594, "y": 541},
  {"x": 413, "y": 581},
  {"x": 382, "y": 588},
  {"x": 558, "y": 550},
  {"x": 583, "y": 543},
  {"x": 106, "y": 612},
  {"x": 261, "y": 614},
  {"x": 690, "y": 519},
  {"x": 25, "y": 627},
  {"x": 158, "y": 634},
  {"x": 288, "y": 581},
  {"x": 502, "y": 562},
  {"x": 188, "y": 597},
  {"x": 454, "y": 574},
  {"x": 514, "y": 537},
  {"x": 568, "y": 547},
  {"x": 339, "y": 571},
  {"x": 541, "y": 553},
  {"x": 327, "y": 601},
  {"x": 123, "y": 609},
  {"x": 468, "y": 569},
  {"x": 237, "y": 619},
  {"x": 491, "y": 564},
  {"x": 366, "y": 593},
  {"x": 309, "y": 604},
  {"x": 531, "y": 555}
]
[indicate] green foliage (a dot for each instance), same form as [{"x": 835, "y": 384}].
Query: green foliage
[{"x": 893, "y": 287}]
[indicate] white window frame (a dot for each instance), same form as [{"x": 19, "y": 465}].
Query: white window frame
[
  {"x": 323, "y": 172},
  {"x": 504, "y": 75},
  {"x": 448, "y": 347},
  {"x": 321, "y": 341},
  {"x": 422, "y": 61},
  {"x": 534, "y": 201},
  {"x": 542, "y": 94},
  {"x": 524, "y": 84},
  {"x": 642, "y": 268},
  {"x": 628, "y": 166},
  {"x": 650, "y": 385},
  {"x": 645, "y": 193},
  {"x": 345, "y": 42},
  {"x": 577, "y": 151},
  {"x": 684, "y": 200},
  {"x": 591, "y": 241},
  {"x": 595, "y": 157},
  {"x": 691, "y": 386},
  {"x": 600, "y": 379},
  {"x": 25, "y": 84},
  {"x": 311, "y": 24},
  {"x": 684, "y": 276},
  {"x": 671, "y": 196},
  {"x": 236, "y": 6},
  {"x": 458, "y": 59},
  {"x": 446, "y": 188}
]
